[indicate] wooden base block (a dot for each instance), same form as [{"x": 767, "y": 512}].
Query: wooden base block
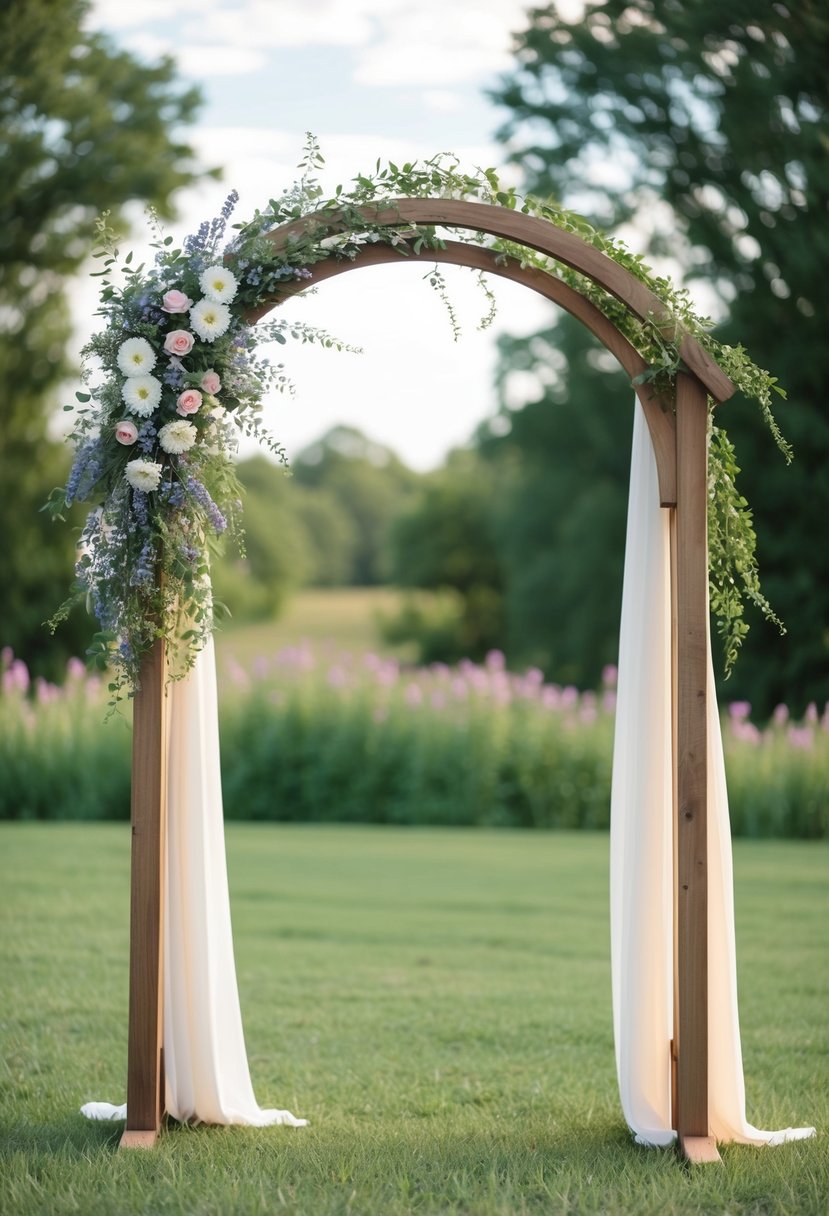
[
  {"x": 139, "y": 1139},
  {"x": 699, "y": 1150}
]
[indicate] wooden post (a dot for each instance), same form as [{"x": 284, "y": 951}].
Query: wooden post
[
  {"x": 145, "y": 1072},
  {"x": 691, "y": 609}
]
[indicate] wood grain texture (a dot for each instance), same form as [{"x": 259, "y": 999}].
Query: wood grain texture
[
  {"x": 139, "y": 1139},
  {"x": 145, "y": 1098},
  {"x": 534, "y": 233},
  {"x": 699, "y": 1150},
  {"x": 658, "y": 410},
  {"x": 691, "y": 759}
]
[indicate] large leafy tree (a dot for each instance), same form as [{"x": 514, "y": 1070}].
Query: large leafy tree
[
  {"x": 445, "y": 542},
  {"x": 85, "y": 128},
  {"x": 558, "y": 519},
  {"x": 706, "y": 126},
  {"x": 369, "y": 485}
]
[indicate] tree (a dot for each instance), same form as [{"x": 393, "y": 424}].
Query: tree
[
  {"x": 293, "y": 536},
  {"x": 86, "y": 128},
  {"x": 369, "y": 484},
  {"x": 706, "y": 126},
  {"x": 445, "y": 542},
  {"x": 559, "y": 518}
]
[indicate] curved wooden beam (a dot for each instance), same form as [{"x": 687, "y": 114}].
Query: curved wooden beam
[
  {"x": 658, "y": 411},
  {"x": 534, "y": 233}
]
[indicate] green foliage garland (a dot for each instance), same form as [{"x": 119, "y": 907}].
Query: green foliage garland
[{"x": 143, "y": 557}]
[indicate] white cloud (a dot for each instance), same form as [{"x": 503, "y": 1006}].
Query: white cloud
[
  {"x": 118, "y": 15},
  {"x": 206, "y": 61},
  {"x": 290, "y": 23},
  {"x": 425, "y": 42},
  {"x": 437, "y": 43},
  {"x": 442, "y": 100}
]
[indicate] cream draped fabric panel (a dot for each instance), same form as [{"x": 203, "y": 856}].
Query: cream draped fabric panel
[
  {"x": 641, "y": 850},
  {"x": 205, "y": 1060},
  {"x": 206, "y": 1065}
]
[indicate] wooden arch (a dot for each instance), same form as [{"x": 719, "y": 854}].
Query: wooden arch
[{"x": 677, "y": 421}]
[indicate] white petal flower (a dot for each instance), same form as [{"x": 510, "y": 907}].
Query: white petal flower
[
  {"x": 218, "y": 284},
  {"x": 178, "y": 436},
  {"x": 143, "y": 474},
  {"x": 136, "y": 357},
  {"x": 209, "y": 319},
  {"x": 141, "y": 394}
]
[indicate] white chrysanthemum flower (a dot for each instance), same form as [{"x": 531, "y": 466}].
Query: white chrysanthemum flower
[
  {"x": 143, "y": 474},
  {"x": 209, "y": 319},
  {"x": 218, "y": 284},
  {"x": 141, "y": 394},
  {"x": 136, "y": 357},
  {"x": 176, "y": 437}
]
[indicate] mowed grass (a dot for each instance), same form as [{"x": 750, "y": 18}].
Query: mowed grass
[
  {"x": 437, "y": 1003},
  {"x": 347, "y": 617}
]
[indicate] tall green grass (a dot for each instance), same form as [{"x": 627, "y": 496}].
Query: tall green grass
[
  {"x": 436, "y": 1002},
  {"x": 313, "y": 733}
]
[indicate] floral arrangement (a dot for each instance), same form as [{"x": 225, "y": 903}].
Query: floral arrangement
[
  {"x": 155, "y": 439},
  {"x": 175, "y": 377}
]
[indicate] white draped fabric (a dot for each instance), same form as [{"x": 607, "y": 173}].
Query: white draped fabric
[
  {"x": 641, "y": 854},
  {"x": 206, "y": 1065},
  {"x": 205, "y": 1060}
]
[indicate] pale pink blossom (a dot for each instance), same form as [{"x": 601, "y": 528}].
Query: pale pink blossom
[
  {"x": 801, "y": 736},
  {"x": 178, "y": 342},
  {"x": 175, "y": 301},
  {"x": 188, "y": 402},
  {"x": 126, "y": 432},
  {"x": 210, "y": 382},
  {"x": 745, "y": 731}
]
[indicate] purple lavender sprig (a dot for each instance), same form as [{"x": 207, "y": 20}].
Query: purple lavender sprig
[{"x": 199, "y": 491}]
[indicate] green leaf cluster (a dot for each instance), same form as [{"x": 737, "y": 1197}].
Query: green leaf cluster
[
  {"x": 706, "y": 127},
  {"x": 85, "y": 128}
]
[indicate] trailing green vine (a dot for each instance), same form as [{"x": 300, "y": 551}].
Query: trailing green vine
[
  {"x": 733, "y": 571},
  {"x": 181, "y": 376}
]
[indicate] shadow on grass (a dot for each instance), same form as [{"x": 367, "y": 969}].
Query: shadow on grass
[{"x": 73, "y": 1136}]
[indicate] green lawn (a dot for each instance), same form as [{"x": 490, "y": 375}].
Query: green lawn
[
  {"x": 348, "y": 617},
  {"x": 437, "y": 1003}
]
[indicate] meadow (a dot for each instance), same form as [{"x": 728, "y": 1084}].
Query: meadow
[
  {"x": 435, "y": 1001},
  {"x": 321, "y": 722}
]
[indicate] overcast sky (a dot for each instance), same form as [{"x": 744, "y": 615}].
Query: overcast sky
[{"x": 395, "y": 79}]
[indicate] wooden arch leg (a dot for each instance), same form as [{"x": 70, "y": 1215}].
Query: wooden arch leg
[
  {"x": 145, "y": 1072},
  {"x": 690, "y": 593}
]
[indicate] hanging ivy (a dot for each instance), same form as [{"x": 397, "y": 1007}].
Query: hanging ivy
[{"x": 175, "y": 376}]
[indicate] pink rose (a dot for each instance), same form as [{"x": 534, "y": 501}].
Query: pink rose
[
  {"x": 210, "y": 382},
  {"x": 126, "y": 432},
  {"x": 188, "y": 402},
  {"x": 178, "y": 342},
  {"x": 175, "y": 301}
]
